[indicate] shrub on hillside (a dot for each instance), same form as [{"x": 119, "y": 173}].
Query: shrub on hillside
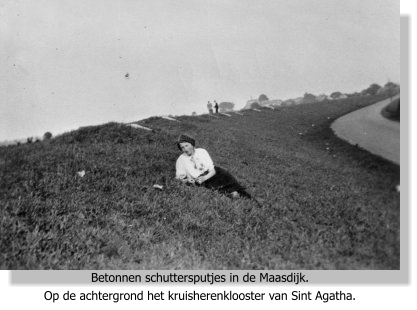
[
  {"x": 373, "y": 89},
  {"x": 47, "y": 135},
  {"x": 390, "y": 89},
  {"x": 263, "y": 97},
  {"x": 309, "y": 98},
  {"x": 392, "y": 110},
  {"x": 335, "y": 95}
]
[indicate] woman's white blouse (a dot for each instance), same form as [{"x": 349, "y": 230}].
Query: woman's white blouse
[{"x": 191, "y": 167}]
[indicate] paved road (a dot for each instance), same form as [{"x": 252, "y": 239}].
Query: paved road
[{"x": 371, "y": 131}]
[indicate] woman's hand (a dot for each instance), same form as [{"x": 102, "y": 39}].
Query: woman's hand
[
  {"x": 203, "y": 178},
  {"x": 183, "y": 179}
]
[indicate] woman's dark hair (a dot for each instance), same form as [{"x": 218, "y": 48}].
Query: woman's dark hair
[{"x": 185, "y": 138}]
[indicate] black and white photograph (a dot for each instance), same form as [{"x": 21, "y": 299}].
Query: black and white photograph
[{"x": 200, "y": 135}]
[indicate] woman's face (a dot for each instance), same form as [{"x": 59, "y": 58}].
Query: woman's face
[{"x": 187, "y": 148}]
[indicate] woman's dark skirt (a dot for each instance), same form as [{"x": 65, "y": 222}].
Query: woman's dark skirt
[{"x": 225, "y": 183}]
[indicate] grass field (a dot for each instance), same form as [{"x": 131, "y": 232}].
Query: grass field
[{"x": 325, "y": 204}]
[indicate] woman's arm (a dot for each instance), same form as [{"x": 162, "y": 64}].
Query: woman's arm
[
  {"x": 208, "y": 163},
  {"x": 210, "y": 174},
  {"x": 180, "y": 170},
  {"x": 204, "y": 178}
]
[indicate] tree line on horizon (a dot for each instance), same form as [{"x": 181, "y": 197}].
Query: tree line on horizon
[{"x": 390, "y": 88}]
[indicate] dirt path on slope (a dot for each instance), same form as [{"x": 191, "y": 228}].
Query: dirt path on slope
[{"x": 371, "y": 131}]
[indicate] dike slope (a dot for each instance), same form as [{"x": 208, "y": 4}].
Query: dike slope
[{"x": 86, "y": 199}]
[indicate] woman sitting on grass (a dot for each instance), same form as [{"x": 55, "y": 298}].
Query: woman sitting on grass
[{"x": 194, "y": 166}]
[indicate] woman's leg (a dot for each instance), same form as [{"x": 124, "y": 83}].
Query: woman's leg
[
  {"x": 224, "y": 182},
  {"x": 245, "y": 194}
]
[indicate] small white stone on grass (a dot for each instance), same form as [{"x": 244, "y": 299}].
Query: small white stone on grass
[
  {"x": 170, "y": 118},
  {"x": 157, "y": 186},
  {"x": 225, "y": 114},
  {"x": 81, "y": 173},
  {"x": 139, "y": 127}
]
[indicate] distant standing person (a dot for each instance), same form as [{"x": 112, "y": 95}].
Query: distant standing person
[
  {"x": 216, "y": 106},
  {"x": 210, "y": 107}
]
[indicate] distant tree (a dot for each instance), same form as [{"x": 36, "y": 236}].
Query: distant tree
[
  {"x": 29, "y": 140},
  {"x": 391, "y": 85},
  {"x": 47, "y": 135},
  {"x": 309, "y": 98},
  {"x": 226, "y": 106},
  {"x": 263, "y": 97},
  {"x": 373, "y": 89},
  {"x": 391, "y": 89},
  {"x": 335, "y": 94}
]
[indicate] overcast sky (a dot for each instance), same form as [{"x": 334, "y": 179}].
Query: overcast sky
[{"x": 64, "y": 63}]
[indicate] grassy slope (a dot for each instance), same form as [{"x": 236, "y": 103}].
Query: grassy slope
[
  {"x": 326, "y": 204},
  {"x": 392, "y": 110}
]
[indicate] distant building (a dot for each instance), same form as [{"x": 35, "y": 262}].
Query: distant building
[
  {"x": 337, "y": 96},
  {"x": 298, "y": 100},
  {"x": 274, "y": 102},
  {"x": 288, "y": 102},
  {"x": 250, "y": 103},
  {"x": 322, "y": 97},
  {"x": 255, "y": 103},
  {"x": 226, "y": 107},
  {"x": 20, "y": 141}
]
